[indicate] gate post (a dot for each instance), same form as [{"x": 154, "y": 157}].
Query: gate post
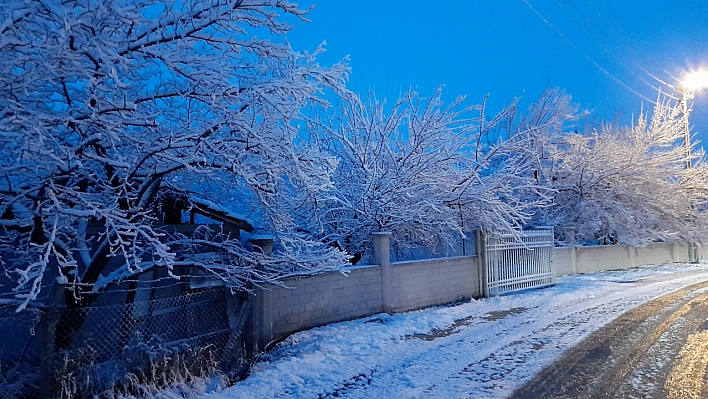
[
  {"x": 382, "y": 257},
  {"x": 481, "y": 252}
]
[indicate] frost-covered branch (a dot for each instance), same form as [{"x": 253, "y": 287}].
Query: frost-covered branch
[
  {"x": 628, "y": 185},
  {"x": 104, "y": 103},
  {"x": 427, "y": 171}
]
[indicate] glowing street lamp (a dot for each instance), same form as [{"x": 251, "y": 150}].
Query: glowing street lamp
[
  {"x": 695, "y": 80},
  {"x": 691, "y": 83}
]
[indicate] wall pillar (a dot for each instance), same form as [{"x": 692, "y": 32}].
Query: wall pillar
[
  {"x": 693, "y": 256},
  {"x": 262, "y": 310},
  {"x": 480, "y": 251},
  {"x": 263, "y": 244},
  {"x": 569, "y": 235},
  {"x": 382, "y": 257}
]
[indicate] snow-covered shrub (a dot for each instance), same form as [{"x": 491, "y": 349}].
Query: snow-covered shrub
[{"x": 146, "y": 369}]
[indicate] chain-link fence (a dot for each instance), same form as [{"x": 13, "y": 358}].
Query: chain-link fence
[
  {"x": 20, "y": 340},
  {"x": 128, "y": 348}
]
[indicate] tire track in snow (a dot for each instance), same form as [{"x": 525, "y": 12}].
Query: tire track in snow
[
  {"x": 600, "y": 365},
  {"x": 498, "y": 364}
]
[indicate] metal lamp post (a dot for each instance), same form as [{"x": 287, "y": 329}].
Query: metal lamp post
[
  {"x": 692, "y": 82},
  {"x": 685, "y": 98}
]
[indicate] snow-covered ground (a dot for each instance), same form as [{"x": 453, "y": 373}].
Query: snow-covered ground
[{"x": 483, "y": 349}]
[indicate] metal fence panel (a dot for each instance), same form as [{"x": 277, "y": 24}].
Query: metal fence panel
[{"x": 515, "y": 263}]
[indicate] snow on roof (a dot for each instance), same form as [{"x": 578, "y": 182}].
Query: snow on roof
[
  {"x": 211, "y": 205},
  {"x": 211, "y": 210}
]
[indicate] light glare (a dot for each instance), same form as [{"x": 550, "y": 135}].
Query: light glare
[{"x": 695, "y": 80}]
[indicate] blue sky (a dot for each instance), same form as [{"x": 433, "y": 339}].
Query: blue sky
[{"x": 505, "y": 49}]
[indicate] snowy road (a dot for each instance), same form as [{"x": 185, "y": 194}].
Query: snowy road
[
  {"x": 482, "y": 349},
  {"x": 656, "y": 350}
]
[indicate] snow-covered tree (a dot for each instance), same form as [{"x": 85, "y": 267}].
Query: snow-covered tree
[
  {"x": 103, "y": 104},
  {"x": 628, "y": 185},
  {"x": 426, "y": 171}
]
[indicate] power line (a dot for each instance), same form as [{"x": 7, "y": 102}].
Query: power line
[
  {"x": 631, "y": 38},
  {"x": 614, "y": 43},
  {"x": 587, "y": 57},
  {"x": 636, "y": 59}
]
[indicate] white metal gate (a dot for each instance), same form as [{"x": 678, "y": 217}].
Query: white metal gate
[{"x": 511, "y": 263}]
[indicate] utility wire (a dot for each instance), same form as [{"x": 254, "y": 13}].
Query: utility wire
[
  {"x": 636, "y": 59},
  {"x": 598, "y": 66},
  {"x": 599, "y": 43},
  {"x": 631, "y": 39}
]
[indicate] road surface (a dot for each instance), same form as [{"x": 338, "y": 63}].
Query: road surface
[{"x": 656, "y": 350}]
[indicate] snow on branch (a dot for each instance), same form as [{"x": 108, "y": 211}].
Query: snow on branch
[
  {"x": 103, "y": 103},
  {"x": 427, "y": 171},
  {"x": 628, "y": 185}
]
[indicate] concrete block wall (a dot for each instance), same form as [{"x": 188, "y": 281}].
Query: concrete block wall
[
  {"x": 318, "y": 300},
  {"x": 573, "y": 260},
  {"x": 564, "y": 261},
  {"x": 403, "y": 286},
  {"x": 660, "y": 253},
  {"x": 332, "y": 297},
  {"x": 606, "y": 257},
  {"x": 419, "y": 284},
  {"x": 680, "y": 252}
]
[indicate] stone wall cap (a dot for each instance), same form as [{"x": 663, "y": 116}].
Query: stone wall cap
[{"x": 382, "y": 234}]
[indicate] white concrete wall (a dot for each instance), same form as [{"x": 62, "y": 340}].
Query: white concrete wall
[
  {"x": 322, "y": 299},
  {"x": 572, "y": 260},
  {"x": 332, "y": 297},
  {"x": 605, "y": 257},
  {"x": 419, "y": 284},
  {"x": 660, "y": 253},
  {"x": 564, "y": 261}
]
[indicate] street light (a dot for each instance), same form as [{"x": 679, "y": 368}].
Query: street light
[
  {"x": 691, "y": 82},
  {"x": 695, "y": 80}
]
